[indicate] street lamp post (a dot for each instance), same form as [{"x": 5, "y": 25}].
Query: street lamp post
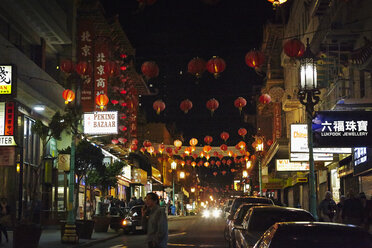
[
  {"x": 259, "y": 149},
  {"x": 309, "y": 97},
  {"x": 173, "y": 167}
]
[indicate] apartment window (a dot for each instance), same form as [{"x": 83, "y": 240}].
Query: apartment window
[
  {"x": 362, "y": 84},
  {"x": 31, "y": 143}
]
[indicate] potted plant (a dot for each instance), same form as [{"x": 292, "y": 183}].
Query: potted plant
[
  {"x": 28, "y": 230},
  {"x": 104, "y": 177},
  {"x": 87, "y": 157}
]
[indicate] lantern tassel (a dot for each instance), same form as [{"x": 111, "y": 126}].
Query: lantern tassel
[
  {"x": 240, "y": 110},
  {"x": 66, "y": 102},
  {"x": 101, "y": 107},
  {"x": 158, "y": 111}
]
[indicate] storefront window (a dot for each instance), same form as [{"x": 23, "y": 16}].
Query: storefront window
[{"x": 335, "y": 184}]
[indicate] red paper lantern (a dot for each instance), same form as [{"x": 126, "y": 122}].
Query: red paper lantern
[
  {"x": 102, "y": 100},
  {"x": 240, "y": 103},
  {"x": 169, "y": 150},
  {"x": 147, "y": 143},
  {"x": 67, "y": 66},
  {"x": 82, "y": 68},
  {"x": 114, "y": 141},
  {"x": 68, "y": 95},
  {"x": 208, "y": 139},
  {"x": 242, "y": 132},
  {"x": 133, "y": 147},
  {"x": 241, "y": 145},
  {"x": 122, "y": 140},
  {"x": 223, "y": 161},
  {"x": 196, "y": 67},
  {"x": 269, "y": 142},
  {"x": 254, "y": 59},
  {"x": 110, "y": 68},
  {"x": 158, "y": 106},
  {"x": 216, "y": 65},
  {"x": 224, "y": 136},
  {"x": 218, "y": 163},
  {"x": 150, "y": 69},
  {"x": 193, "y": 142},
  {"x": 212, "y": 105},
  {"x": 114, "y": 102},
  {"x": 207, "y": 149},
  {"x": 123, "y": 128},
  {"x": 265, "y": 99},
  {"x": 186, "y": 105},
  {"x": 229, "y": 162},
  {"x": 223, "y": 147},
  {"x": 294, "y": 48},
  {"x": 215, "y": 173},
  {"x": 135, "y": 141},
  {"x": 215, "y": 153},
  {"x": 213, "y": 162},
  {"x": 223, "y": 172}
]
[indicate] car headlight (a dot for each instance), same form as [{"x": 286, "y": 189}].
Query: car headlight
[
  {"x": 216, "y": 213},
  {"x": 206, "y": 213},
  {"x": 126, "y": 223}
]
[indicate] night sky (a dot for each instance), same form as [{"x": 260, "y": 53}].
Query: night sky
[{"x": 172, "y": 32}]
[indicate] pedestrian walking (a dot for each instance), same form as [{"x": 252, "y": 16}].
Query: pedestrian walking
[
  {"x": 327, "y": 208},
  {"x": 339, "y": 208},
  {"x": 140, "y": 201},
  {"x": 157, "y": 227},
  {"x": 5, "y": 219},
  {"x": 367, "y": 211},
  {"x": 132, "y": 202},
  {"x": 352, "y": 212}
]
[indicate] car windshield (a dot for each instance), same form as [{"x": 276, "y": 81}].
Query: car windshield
[
  {"x": 260, "y": 221},
  {"x": 135, "y": 212},
  {"x": 240, "y": 201},
  {"x": 299, "y": 237}
]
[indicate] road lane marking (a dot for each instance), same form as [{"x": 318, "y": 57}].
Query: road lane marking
[
  {"x": 119, "y": 246},
  {"x": 191, "y": 245},
  {"x": 176, "y": 234},
  {"x": 182, "y": 245}
]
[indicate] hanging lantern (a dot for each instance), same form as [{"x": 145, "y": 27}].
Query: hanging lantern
[
  {"x": 150, "y": 149},
  {"x": 215, "y": 153},
  {"x": 67, "y": 66},
  {"x": 213, "y": 162},
  {"x": 147, "y": 143},
  {"x": 254, "y": 59},
  {"x": 123, "y": 128},
  {"x": 240, "y": 103},
  {"x": 169, "y": 150},
  {"x": 215, "y": 173},
  {"x": 223, "y": 172},
  {"x": 193, "y": 163},
  {"x": 133, "y": 147},
  {"x": 269, "y": 142},
  {"x": 114, "y": 141},
  {"x": 212, "y": 105},
  {"x": 82, "y": 68},
  {"x": 122, "y": 140},
  {"x": 161, "y": 148},
  {"x": 241, "y": 145},
  {"x": 265, "y": 99},
  {"x": 110, "y": 68},
  {"x": 208, "y": 139},
  {"x": 102, "y": 100},
  {"x": 195, "y": 156},
  {"x": 177, "y": 143},
  {"x": 206, "y": 164},
  {"x": 196, "y": 67},
  {"x": 150, "y": 69},
  {"x": 229, "y": 162},
  {"x": 223, "y": 147},
  {"x": 193, "y": 142},
  {"x": 218, "y": 163},
  {"x": 224, "y": 136},
  {"x": 242, "y": 132},
  {"x": 216, "y": 65},
  {"x": 223, "y": 161},
  {"x": 294, "y": 48},
  {"x": 143, "y": 149},
  {"x": 114, "y": 102},
  {"x": 207, "y": 149},
  {"x": 188, "y": 150},
  {"x": 186, "y": 105},
  {"x": 158, "y": 106},
  {"x": 207, "y": 156},
  {"x": 135, "y": 141},
  {"x": 68, "y": 95},
  {"x": 277, "y": 3}
]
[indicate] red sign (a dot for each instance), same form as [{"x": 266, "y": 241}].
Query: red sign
[
  {"x": 101, "y": 56},
  {"x": 86, "y": 38},
  {"x": 9, "y": 118},
  {"x": 277, "y": 128}
]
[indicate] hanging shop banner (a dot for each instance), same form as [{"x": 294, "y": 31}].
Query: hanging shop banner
[
  {"x": 299, "y": 142},
  {"x": 342, "y": 129},
  {"x": 286, "y": 165},
  {"x": 105, "y": 122},
  {"x": 7, "y": 119},
  {"x": 85, "y": 53},
  {"x": 362, "y": 157},
  {"x": 8, "y": 87},
  {"x": 277, "y": 125},
  {"x": 101, "y": 56},
  {"x": 304, "y": 157}
]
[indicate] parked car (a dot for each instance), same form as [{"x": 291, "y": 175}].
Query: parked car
[
  {"x": 227, "y": 207},
  {"x": 237, "y": 221},
  {"x": 239, "y": 201},
  {"x": 133, "y": 221},
  {"x": 259, "y": 219},
  {"x": 314, "y": 234}
]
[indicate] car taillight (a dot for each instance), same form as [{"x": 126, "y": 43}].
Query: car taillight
[{"x": 125, "y": 222}]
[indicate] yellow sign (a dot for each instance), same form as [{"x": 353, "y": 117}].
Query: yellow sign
[
  {"x": 7, "y": 141},
  {"x": 64, "y": 162},
  {"x": 156, "y": 174},
  {"x": 6, "y": 81}
]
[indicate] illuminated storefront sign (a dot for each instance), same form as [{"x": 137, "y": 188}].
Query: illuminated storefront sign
[
  {"x": 362, "y": 160},
  {"x": 304, "y": 157},
  {"x": 342, "y": 129},
  {"x": 7, "y": 81},
  {"x": 286, "y": 165},
  {"x": 7, "y": 117},
  {"x": 101, "y": 123}
]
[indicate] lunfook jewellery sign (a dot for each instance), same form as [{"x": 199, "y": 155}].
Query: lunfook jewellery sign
[{"x": 342, "y": 129}]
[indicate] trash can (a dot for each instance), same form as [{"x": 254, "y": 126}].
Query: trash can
[{"x": 173, "y": 210}]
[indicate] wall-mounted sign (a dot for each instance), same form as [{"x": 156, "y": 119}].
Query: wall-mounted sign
[
  {"x": 7, "y": 117},
  {"x": 342, "y": 129},
  {"x": 105, "y": 122},
  {"x": 7, "y": 81},
  {"x": 286, "y": 165},
  {"x": 299, "y": 142},
  {"x": 362, "y": 160},
  {"x": 304, "y": 157},
  {"x": 139, "y": 176},
  {"x": 64, "y": 162}
]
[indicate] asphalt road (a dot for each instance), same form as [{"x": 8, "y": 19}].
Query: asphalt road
[{"x": 191, "y": 231}]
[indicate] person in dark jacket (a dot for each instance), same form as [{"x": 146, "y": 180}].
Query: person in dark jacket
[
  {"x": 132, "y": 202},
  {"x": 4, "y": 218},
  {"x": 352, "y": 212}
]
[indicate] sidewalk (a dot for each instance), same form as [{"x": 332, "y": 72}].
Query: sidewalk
[{"x": 51, "y": 237}]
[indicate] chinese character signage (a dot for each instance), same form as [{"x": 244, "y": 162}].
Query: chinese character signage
[
  {"x": 342, "y": 129},
  {"x": 101, "y": 122},
  {"x": 7, "y": 81},
  {"x": 277, "y": 125},
  {"x": 101, "y": 56},
  {"x": 362, "y": 160},
  {"x": 7, "y": 117}
]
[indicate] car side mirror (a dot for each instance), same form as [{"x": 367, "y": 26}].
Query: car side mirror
[{"x": 239, "y": 227}]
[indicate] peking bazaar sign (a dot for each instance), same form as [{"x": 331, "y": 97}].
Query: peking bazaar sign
[
  {"x": 105, "y": 122},
  {"x": 342, "y": 129}
]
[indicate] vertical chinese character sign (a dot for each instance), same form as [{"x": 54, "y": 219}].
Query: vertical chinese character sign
[
  {"x": 101, "y": 56},
  {"x": 85, "y": 53}
]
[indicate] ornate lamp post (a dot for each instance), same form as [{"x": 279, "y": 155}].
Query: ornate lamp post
[
  {"x": 309, "y": 97},
  {"x": 259, "y": 140},
  {"x": 173, "y": 167}
]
